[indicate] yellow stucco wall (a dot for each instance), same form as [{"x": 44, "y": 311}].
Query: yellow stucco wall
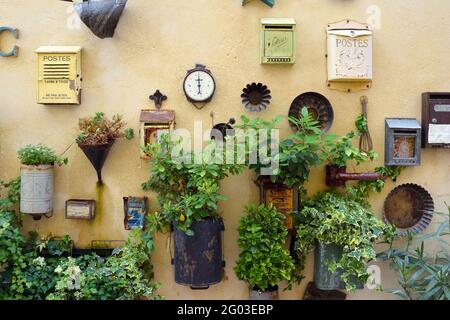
[{"x": 155, "y": 43}]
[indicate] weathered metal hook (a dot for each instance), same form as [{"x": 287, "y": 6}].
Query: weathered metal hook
[{"x": 15, "y": 51}]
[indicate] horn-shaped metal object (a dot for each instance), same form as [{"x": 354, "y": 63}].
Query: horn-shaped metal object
[
  {"x": 97, "y": 156},
  {"x": 101, "y": 16}
]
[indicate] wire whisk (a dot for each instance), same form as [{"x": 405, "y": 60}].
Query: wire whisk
[{"x": 365, "y": 142}]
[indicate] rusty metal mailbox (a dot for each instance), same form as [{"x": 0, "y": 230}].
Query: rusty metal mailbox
[
  {"x": 59, "y": 75},
  {"x": 436, "y": 120},
  {"x": 403, "y": 142},
  {"x": 349, "y": 55},
  {"x": 154, "y": 123},
  {"x": 278, "y": 40}
]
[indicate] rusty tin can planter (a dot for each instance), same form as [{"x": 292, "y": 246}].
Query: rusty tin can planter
[
  {"x": 97, "y": 155},
  {"x": 36, "y": 190},
  {"x": 324, "y": 278},
  {"x": 269, "y": 294},
  {"x": 198, "y": 259}
]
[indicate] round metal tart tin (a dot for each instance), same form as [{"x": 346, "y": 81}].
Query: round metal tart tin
[{"x": 410, "y": 208}]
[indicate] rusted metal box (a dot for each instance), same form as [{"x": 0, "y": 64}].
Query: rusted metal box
[
  {"x": 403, "y": 141},
  {"x": 59, "y": 75},
  {"x": 349, "y": 53},
  {"x": 80, "y": 209},
  {"x": 155, "y": 123},
  {"x": 135, "y": 209},
  {"x": 278, "y": 40},
  {"x": 436, "y": 120},
  {"x": 284, "y": 199}
]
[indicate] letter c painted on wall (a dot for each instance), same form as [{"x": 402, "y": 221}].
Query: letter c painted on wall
[{"x": 15, "y": 51}]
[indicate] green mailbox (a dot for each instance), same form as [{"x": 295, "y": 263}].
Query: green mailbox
[{"x": 278, "y": 40}]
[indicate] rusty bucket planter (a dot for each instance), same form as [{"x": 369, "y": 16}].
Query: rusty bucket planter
[
  {"x": 323, "y": 277},
  {"x": 269, "y": 294},
  {"x": 101, "y": 16},
  {"x": 97, "y": 155},
  {"x": 198, "y": 259},
  {"x": 36, "y": 190}
]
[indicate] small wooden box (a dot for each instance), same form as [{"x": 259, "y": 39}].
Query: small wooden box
[{"x": 154, "y": 123}]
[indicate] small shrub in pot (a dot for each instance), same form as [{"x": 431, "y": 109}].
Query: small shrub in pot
[
  {"x": 97, "y": 136},
  {"x": 263, "y": 261},
  {"x": 37, "y": 162}
]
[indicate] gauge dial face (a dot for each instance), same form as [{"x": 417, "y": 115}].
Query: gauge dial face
[{"x": 199, "y": 86}]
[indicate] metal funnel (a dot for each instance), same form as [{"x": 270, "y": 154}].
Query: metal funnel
[{"x": 97, "y": 156}]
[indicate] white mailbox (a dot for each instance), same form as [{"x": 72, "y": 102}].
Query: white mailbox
[{"x": 350, "y": 53}]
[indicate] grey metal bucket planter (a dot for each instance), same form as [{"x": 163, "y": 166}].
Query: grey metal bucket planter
[
  {"x": 101, "y": 16},
  {"x": 198, "y": 259},
  {"x": 324, "y": 278},
  {"x": 270, "y": 294}
]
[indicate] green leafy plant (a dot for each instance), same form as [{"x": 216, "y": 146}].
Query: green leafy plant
[
  {"x": 297, "y": 153},
  {"x": 35, "y": 155},
  {"x": 362, "y": 189},
  {"x": 421, "y": 275},
  {"x": 339, "y": 151},
  {"x": 50, "y": 245},
  {"x": 263, "y": 261},
  {"x": 41, "y": 268},
  {"x": 332, "y": 217},
  {"x": 187, "y": 191},
  {"x": 126, "y": 275},
  {"x": 361, "y": 124},
  {"x": 300, "y": 151},
  {"x": 101, "y": 130}
]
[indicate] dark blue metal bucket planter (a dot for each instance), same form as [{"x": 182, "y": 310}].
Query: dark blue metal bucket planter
[{"x": 198, "y": 259}]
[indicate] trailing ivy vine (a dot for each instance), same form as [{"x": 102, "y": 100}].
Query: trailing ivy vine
[{"x": 41, "y": 268}]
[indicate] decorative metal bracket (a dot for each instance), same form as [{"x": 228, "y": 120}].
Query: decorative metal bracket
[
  {"x": 337, "y": 177},
  {"x": 158, "y": 98},
  {"x": 15, "y": 51}
]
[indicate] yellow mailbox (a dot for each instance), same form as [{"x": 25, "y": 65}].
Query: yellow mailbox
[
  {"x": 278, "y": 41},
  {"x": 59, "y": 75}
]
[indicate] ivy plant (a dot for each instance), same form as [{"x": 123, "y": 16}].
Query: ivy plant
[
  {"x": 333, "y": 217},
  {"x": 43, "y": 269},
  {"x": 263, "y": 261}
]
